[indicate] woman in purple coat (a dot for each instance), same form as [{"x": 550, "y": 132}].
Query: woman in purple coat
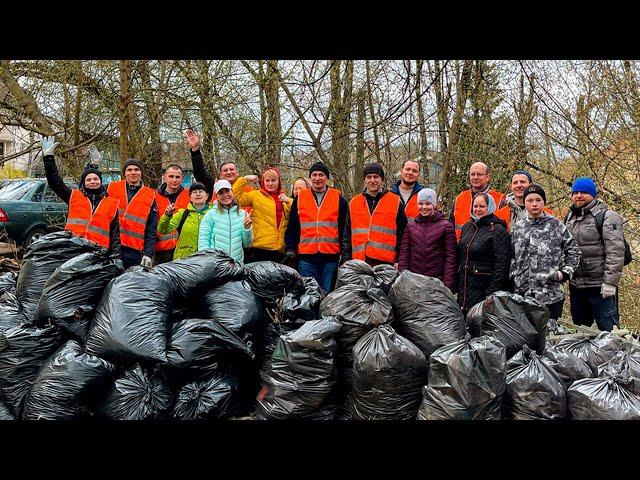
[{"x": 429, "y": 243}]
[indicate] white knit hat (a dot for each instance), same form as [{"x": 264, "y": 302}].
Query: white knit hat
[{"x": 428, "y": 195}]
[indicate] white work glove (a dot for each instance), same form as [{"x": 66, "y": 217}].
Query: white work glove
[
  {"x": 95, "y": 155},
  {"x": 607, "y": 290},
  {"x": 48, "y": 145},
  {"x": 146, "y": 261}
]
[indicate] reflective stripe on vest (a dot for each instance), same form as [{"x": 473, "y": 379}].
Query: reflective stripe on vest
[
  {"x": 169, "y": 240},
  {"x": 374, "y": 235},
  {"x": 133, "y": 217},
  {"x": 462, "y": 208},
  {"x": 84, "y": 222},
  {"x": 319, "y": 224}
]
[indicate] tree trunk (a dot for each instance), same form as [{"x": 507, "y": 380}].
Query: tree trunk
[
  {"x": 421, "y": 122},
  {"x": 123, "y": 109},
  {"x": 274, "y": 126},
  {"x": 359, "y": 161},
  {"x": 153, "y": 170},
  {"x": 376, "y": 141},
  {"x": 463, "y": 88}
]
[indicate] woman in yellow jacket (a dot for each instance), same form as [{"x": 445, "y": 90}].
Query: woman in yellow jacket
[{"x": 270, "y": 214}]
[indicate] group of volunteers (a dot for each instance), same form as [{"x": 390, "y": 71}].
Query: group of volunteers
[{"x": 490, "y": 242}]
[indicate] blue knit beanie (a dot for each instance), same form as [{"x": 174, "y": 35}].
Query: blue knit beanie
[{"x": 585, "y": 185}]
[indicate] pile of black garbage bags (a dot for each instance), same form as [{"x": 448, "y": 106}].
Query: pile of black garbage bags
[{"x": 207, "y": 337}]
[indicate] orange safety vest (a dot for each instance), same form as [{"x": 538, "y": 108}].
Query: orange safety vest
[
  {"x": 319, "y": 224},
  {"x": 504, "y": 213},
  {"x": 374, "y": 235},
  {"x": 462, "y": 208},
  {"x": 84, "y": 222},
  {"x": 168, "y": 241},
  {"x": 134, "y": 214}
]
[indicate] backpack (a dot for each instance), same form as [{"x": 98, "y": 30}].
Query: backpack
[{"x": 599, "y": 223}]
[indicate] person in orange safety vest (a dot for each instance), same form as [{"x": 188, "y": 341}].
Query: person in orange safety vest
[
  {"x": 138, "y": 215},
  {"x": 92, "y": 213},
  {"x": 479, "y": 177}
]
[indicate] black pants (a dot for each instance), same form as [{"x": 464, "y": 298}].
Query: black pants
[
  {"x": 261, "y": 255},
  {"x": 163, "y": 256},
  {"x": 555, "y": 309}
]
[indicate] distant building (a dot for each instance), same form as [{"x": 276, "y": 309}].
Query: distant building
[{"x": 15, "y": 139}]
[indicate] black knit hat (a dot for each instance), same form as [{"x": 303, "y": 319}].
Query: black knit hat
[
  {"x": 132, "y": 161},
  {"x": 88, "y": 171},
  {"x": 533, "y": 188},
  {"x": 370, "y": 168},
  {"x": 319, "y": 167},
  {"x": 196, "y": 186}
]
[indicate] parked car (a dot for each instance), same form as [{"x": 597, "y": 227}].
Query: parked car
[{"x": 30, "y": 209}]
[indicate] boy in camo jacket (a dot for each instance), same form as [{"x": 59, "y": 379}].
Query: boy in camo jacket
[{"x": 545, "y": 253}]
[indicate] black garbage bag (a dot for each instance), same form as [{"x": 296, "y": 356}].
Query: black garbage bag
[
  {"x": 8, "y": 281},
  {"x": 204, "y": 270},
  {"x": 271, "y": 280},
  {"x": 236, "y": 307},
  {"x": 388, "y": 373},
  {"x": 68, "y": 386},
  {"x": 208, "y": 399},
  {"x": 5, "y": 413},
  {"x": 269, "y": 342},
  {"x": 534, "y": 391},
  {"x": 197, "y": 346},
  {"x": 358, "y": 272},
  {"x": 594, "y": 351},
  {"x": 467, "y": 380},
  {"x": 72, "y": 292},
  {"x": 426, "y": 312},
  {"x": 604, "y": 398},
  {"x": 623, "y": 363},
  {"x": 40, "y": 260},
  {"x": 359, "y": 309},
  {"x": 138, "y": 394},
  {"x": 306, "y": 305},
  {"x": 11, "y": 313},
  {"x": 568, "y": 367},
  {"x": 300, "y": 383},
  {"x": 513, "y": 319},
  {"x": 23, "y": 350},
  {"x": 132, "y": 319}
]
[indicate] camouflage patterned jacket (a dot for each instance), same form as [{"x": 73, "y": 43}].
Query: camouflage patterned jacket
[{"x": 542, "y": 247}]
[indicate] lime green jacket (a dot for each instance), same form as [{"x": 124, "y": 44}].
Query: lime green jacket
[{"x": 188, "y": 239}]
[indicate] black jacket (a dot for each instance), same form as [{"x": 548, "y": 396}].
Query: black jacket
[
  {"x": 401, "y": 224},
  {"x": 64, "y": 192},
  {"x": 484, "y": 257},
  {"x": 200, "y": 171}
]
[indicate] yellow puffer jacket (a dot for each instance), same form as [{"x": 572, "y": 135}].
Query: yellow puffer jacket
[{"x": 265, "y": 233}]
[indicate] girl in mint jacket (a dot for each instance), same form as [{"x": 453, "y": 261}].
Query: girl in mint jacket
[{"x": 225, "y": 226}]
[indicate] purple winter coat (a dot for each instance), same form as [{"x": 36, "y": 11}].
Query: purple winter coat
[{"x": 429, "y": 248}]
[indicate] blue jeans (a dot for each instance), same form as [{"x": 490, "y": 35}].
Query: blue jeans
[
  {"x": 587, "y": 304},
  {"x": 323, "y": 271}
]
